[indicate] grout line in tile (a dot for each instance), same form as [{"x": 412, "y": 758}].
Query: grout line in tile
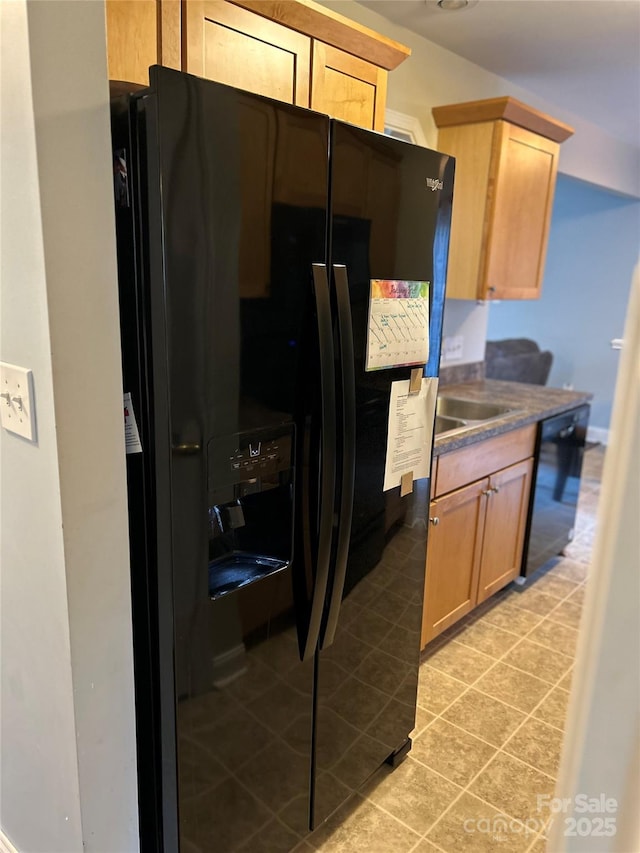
[
  {"x": 433, "y": 844},
  {"x": 473, "y": 794},
  {"x": 395, "y": 817},
  {"x": 539, "y": 720},
  {"x": 489, "y": 696},
  {"x": 535, "y": 841},
  {"x": 552, "y": 686},
  {"x": 456, "y": 726},
  {"x": 440, "y": 672},
  {"x": 493, "y": 746},
  {"x": 477, "y": 651},
  {"x": 530, "y": 716},
  {"x": 541, "y": 646}
]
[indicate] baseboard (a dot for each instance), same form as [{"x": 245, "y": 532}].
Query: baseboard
[
  {"x": 5, "y": 845},
  {"x": 598, "y": 434}
]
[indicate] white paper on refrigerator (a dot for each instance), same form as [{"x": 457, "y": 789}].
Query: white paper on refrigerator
[
  {"x": 411, "y": 419},
  {"x": 132, "y": 441}
]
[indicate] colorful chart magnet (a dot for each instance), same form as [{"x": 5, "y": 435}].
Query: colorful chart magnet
[{"x": 398, "y": 328}]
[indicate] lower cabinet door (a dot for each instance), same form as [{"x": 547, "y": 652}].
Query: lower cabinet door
[
  {"x": 454, "y": 549},
  {"x": 507, "y": 504}
]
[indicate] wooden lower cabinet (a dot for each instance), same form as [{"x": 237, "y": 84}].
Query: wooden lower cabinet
[
  {"x": 507, "y": 503},
  {"x": 476, "y": 530},
  {"x": 453, "y": 558}
]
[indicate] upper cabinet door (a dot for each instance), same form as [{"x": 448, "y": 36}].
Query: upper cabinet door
[
  {"x": 229, "y": 44},
  {"x": 506, "y": 165},
  {"x": 525, "y": 178},
  {"x": 348, "y": 88}
]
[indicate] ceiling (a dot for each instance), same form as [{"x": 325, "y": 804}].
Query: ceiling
[{"x": 582, "y": 55}]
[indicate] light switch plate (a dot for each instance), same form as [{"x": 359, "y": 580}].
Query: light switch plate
[{"x": 17, "y": 410}]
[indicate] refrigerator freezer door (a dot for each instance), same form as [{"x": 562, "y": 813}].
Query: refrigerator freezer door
[
  {"x": 237, "y": 217},
  {"x": 386, "y": 223}
]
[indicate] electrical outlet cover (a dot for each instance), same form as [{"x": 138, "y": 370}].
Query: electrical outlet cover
[{"x": 17, "y": 410}]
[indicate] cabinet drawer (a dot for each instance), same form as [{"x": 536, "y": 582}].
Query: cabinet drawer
[{"x": 481, "y": 459}]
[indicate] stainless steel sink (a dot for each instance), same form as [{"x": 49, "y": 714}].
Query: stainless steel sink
[
  {"x": 456, "y": 414},
  {"x": 469, "y": 410},
  {"x": 444, "y": 424}
]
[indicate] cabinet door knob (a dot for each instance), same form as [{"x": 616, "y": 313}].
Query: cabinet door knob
[
  {"x": 487, "y": 492},
  {"x": 495, "y": 489},
  {"x": 435, "y": 521}
]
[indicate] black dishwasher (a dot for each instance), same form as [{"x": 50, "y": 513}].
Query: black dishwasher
[{"x": 556, "y": 484}]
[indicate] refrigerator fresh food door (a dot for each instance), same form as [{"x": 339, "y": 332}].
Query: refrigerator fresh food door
[
  {"x": 390, "y": 218},
  {"x": 237, "y": 220}
]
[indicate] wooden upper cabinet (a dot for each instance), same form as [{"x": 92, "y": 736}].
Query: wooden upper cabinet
[
  {"x": 506, "y": 166},
  {"x": 141, "y": 33},
  {"x": 232, "y": 45},
  {"x": 347, "y": 87},
  {"x": 292, "y": 50}
]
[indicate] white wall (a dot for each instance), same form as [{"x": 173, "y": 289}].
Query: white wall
[
  {"x": 600, "y": 753},
  {"x": 68, "y": 737},
  {"x": 38, "y": 759}
]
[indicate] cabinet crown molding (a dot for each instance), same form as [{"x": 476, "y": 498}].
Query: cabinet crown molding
[
  {"x": 505, "y": 108},
  {"x": 328, "y": 26}
]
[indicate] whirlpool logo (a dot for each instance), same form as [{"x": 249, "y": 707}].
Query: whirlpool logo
[{"x": 434, "y": 184}]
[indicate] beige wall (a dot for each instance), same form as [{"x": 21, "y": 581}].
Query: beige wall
[{"x": 68, "y": 740}]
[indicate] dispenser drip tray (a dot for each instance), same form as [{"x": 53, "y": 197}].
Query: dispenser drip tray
[{"x": 238, "y": 570}]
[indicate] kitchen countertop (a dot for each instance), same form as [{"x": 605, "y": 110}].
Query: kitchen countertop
[{"x": 531, "y": 403}]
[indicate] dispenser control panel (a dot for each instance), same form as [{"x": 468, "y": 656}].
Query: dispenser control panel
[
  {"x": 262, "y": 457},
  {"x": 261, "y": 454}
]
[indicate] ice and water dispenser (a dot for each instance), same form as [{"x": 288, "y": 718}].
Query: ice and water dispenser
[{"x": 250, "y": 484}]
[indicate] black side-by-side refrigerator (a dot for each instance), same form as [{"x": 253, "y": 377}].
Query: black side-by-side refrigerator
[{"x": 276, "y": 586}]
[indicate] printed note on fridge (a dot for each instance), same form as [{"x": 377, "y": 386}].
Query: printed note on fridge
[{"x": 410, "y": 432}]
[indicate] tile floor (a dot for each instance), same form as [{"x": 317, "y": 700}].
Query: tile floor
[{"x": 491, "y": 704}]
